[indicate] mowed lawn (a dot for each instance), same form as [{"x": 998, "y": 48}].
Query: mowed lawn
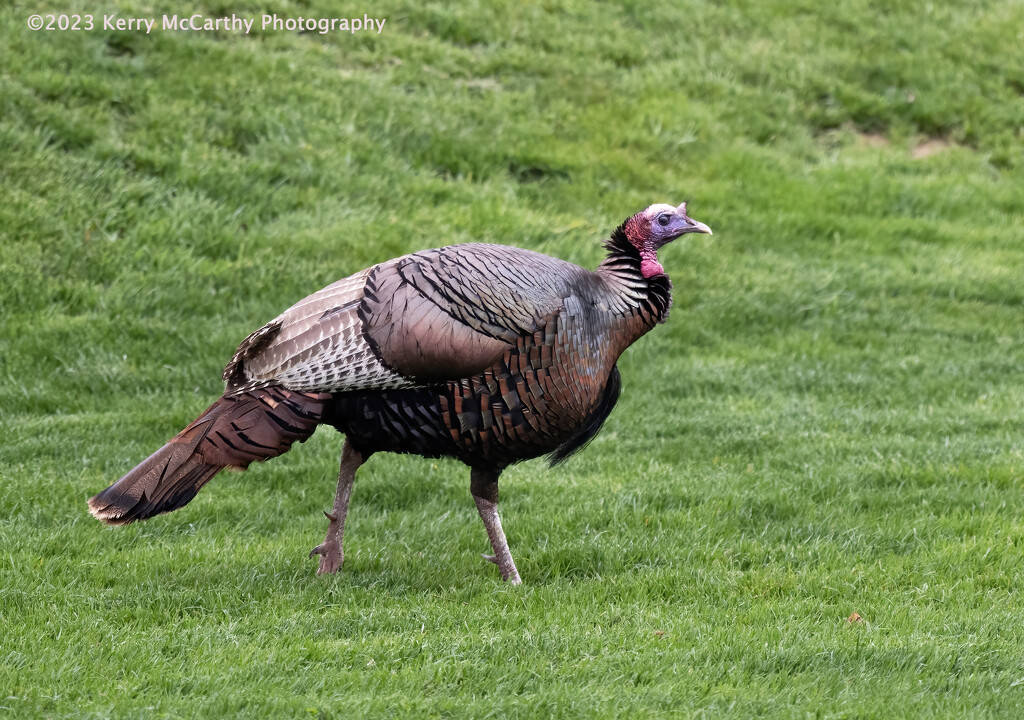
[{"x": 809, "y": 500}]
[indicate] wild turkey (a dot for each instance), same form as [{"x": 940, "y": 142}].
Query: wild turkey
[{"x": 485, "y": 353}]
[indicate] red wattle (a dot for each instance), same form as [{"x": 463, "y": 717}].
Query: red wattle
[{"x": 649, "y": 267}]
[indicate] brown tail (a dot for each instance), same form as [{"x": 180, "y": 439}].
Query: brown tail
[{"x": 233, "y": 432}]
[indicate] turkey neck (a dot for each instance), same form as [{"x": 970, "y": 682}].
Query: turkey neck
[{"x": 641, "y": 303}]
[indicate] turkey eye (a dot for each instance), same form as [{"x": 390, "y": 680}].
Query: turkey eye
[{"x": 663, "y": 220}]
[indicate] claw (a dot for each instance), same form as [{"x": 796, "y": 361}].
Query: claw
[
  {"x": 331, "y": 557},
  {"x": 489, "y": 558}
]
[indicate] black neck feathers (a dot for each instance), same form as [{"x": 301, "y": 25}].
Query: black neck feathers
[{"x": 652, "y": 296}]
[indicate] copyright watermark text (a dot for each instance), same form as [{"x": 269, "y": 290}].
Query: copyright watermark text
[{"x": 203, "y": 23}]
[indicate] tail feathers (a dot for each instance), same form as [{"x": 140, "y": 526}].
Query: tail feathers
[
  {"x": 233, "y": 432},
  {"x": 164, "y": 481}
]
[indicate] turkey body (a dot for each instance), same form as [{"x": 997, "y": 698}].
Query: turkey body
[
  {"x": 486, "y": 353},
  {"x": 550, "y": 386}
]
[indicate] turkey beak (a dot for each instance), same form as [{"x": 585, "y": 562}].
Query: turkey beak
[
  {"x": 693, "y": 226},
  {"x": 698, "y": 227}
]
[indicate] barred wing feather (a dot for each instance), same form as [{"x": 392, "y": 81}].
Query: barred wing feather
[{"x": 413, "y": 321}]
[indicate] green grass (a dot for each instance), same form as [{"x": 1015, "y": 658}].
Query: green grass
[{"x": 829, "y": 423}]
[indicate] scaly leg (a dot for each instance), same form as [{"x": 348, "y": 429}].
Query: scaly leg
[
  {"x": 331, "y": 551},
  {"x": 483, "y": 484}
]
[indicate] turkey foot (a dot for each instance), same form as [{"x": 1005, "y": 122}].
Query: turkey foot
[
  {"x": 484, "y": 487},
  {"x": 331, "y": 550},
  {"x": 332, "y": 556}
]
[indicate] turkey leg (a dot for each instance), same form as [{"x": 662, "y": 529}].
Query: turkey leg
[
  {"x": 331, "y": 552},
  {"x": 483, "y": 484}
]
